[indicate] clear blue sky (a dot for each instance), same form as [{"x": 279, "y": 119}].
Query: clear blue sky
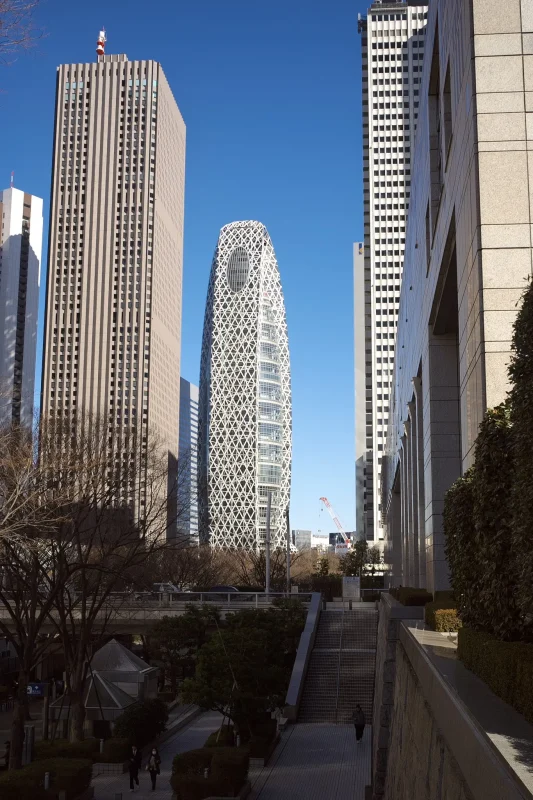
[{"x": 271, "y": 96}]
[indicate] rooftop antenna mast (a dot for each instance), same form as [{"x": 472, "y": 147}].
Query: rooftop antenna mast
[{"x": 100, "y": 44}]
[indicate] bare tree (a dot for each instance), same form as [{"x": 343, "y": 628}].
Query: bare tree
[
  {"x": 191, "y": 568},
  {"x": 117, "y": 524},
  {"x": 249, "y": 567},
  {"x": 34, "y": 560},
  {"x": 17, "y": 28}
]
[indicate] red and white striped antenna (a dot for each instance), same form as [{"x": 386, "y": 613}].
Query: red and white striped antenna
[{"x": 100, "y": 44}]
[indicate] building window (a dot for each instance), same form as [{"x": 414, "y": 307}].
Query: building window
[
  {"x": 447, "y": 109},
  {"x": 434, "y": 124}
]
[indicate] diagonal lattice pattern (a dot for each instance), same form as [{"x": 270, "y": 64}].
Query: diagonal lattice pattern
[{"x": 245, "y": 417}]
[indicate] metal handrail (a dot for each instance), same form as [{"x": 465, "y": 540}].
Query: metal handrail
[{"x": 339, "y": 669}]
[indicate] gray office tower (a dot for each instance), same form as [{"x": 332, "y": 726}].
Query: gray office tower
[
  {"x": 113, "y": 309},
  {"x": 392, "y": 39},
  {"x": 188, "y": 463}
]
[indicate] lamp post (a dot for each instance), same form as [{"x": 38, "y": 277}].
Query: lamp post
[
  {"x": 288, "y": 551},
  {"x": 267, "y": 544}
]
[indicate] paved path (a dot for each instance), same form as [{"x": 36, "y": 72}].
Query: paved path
[
  {"x": 106, "y": 787},
  {"x": 312, "y": 762},
  {"x": 316, "y": 762}
]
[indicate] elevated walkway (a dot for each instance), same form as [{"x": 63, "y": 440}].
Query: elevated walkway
[{"x": 342, "y": 664}]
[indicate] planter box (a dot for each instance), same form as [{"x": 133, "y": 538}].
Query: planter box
[
  {"x": 88, "y": 794},
  {"x": 262, "y": 762},
  {"x": 243, "y": 794},
  {"x": 102, "y": 768}
]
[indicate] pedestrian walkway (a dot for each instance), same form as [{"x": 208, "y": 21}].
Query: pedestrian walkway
[
  {"x": 316, "y": 762},
  {"x": 312, "y": 762},
  {"x": 107, "y": 787}
]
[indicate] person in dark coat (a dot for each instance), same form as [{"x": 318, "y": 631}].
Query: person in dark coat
[
  {"x": 359, "y": 721},
  {"x": 134, "y": 767},
  {"x": 153, "y": 766}
]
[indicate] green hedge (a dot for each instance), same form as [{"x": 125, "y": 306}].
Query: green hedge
[
  {"x": 72, "y": 775},
  {"x": 62, "y": 748},
  {"x": 442, "y": 617},
  {"x": 258, "y": 740},
  {"x": 519, "y": 565},
  {"x": 506, "y": 667},
  {"x": 228, "y": 770},
  {"x": 411, "y": 596},
  {"x": 142, "y": 722},
  {"x": 116, "y": 751}
]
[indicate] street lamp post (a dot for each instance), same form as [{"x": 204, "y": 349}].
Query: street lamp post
[
  {"x": 288, "y": 551},
  {"x": 267, "y": 544}
]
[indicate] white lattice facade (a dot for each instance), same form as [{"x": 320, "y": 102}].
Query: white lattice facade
[{"x": 245, "y": 414}]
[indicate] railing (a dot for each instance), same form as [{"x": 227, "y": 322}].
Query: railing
[
  {"x": 303, "y": 655},
  {"x": 233, "y": 599},
  {"x": 339, "y": 668}
]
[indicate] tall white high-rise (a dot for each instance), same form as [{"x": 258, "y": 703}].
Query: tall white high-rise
[
  {"x": 188, "y": 462},
  {"x": 245, "y": 432},
  {"x": 392, "y": 38},
  {"x": 113, "y": 309},
  {"x": 21, "y": 234}
]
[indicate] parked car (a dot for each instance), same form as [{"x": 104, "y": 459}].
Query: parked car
[{"x": 226, "y": 589}]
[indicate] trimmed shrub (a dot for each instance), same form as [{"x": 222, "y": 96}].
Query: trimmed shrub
[
  {"x": 521, "y": 495},
  {"x": 328, "y": 585},
  {"x": 116, "y": 751},
  {"x": 410, "y": 596},
  {"x": 223, "y": 738},
  {"x": 258, "y": 740},
  {"x": 506, "y": 667},
  {"x": 442, "y": 617},
  {"x": 142, "y": 722},
  {"x": 62, "y": 748},
  {"x": 228, "y": 770},
  {"x": 66, "y": 774},
  {"x": 444, "y": 597}
]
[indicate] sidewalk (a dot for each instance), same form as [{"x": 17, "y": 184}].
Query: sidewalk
[
  {"x": 316, "y": 762},
  {"x": 106, "y": 787},
  {"x": 312, "y": 762}
]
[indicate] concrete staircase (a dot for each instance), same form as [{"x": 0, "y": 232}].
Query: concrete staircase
[{"x": 341, "y": 669}]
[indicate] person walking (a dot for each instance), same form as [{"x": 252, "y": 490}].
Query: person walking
[
  {"x": 134, "y": 766},
  {"x": 359, "y": 721},
  {"x": 153, "y": 766}
]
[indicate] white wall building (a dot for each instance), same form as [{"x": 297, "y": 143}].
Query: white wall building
[
  {"x": 245, "y": 431},
  {"x": 188, "y": 462},
  {"x": 393, "y": 36},
  {"x": 21, "y": 234}
]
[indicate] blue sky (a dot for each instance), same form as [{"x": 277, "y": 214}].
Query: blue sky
[{"x": 271, "y": 96}]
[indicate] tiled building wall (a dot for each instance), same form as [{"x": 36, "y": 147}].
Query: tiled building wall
[{"x": 467, "y": 259}]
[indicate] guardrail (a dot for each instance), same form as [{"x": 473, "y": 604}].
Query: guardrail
[
  {"x": 125, "y": 612},
  {"x": 303, "y": 655}
]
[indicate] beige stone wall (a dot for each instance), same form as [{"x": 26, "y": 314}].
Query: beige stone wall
[
  {"x": 391, "y": 614},
  {"x": 420, "y": 763},
  {"x": 451, "y": 365}
]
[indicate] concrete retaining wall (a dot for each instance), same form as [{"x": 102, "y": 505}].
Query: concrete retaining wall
[
  {"x": 301, "y": 662},
  {"x": 391, "y": 614}
]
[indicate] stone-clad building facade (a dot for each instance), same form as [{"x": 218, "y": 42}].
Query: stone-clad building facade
[{"x": 467, "y": 260}]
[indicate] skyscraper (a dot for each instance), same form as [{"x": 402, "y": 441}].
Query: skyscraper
[
  {"x": 188, "y": 462},
  {"x": 244, "y": 447},
  {"x": 393, "y": 36},
  {"x": 361, "y": 306},
  {"x": 21, "y": 234},
  {"x": 113, "y": 309}
]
